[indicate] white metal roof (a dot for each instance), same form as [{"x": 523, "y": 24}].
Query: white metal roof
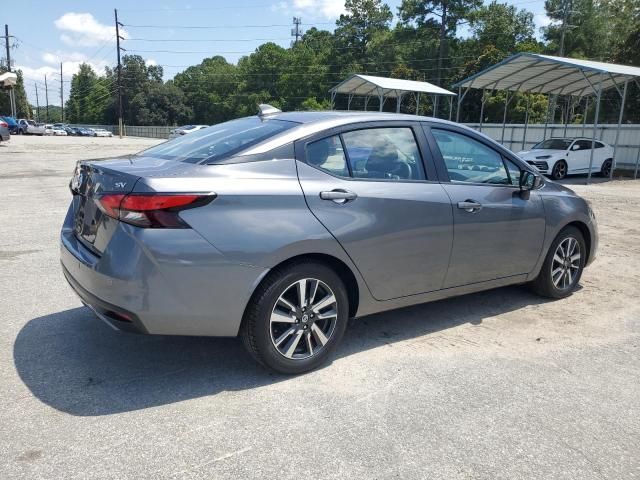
[
  {"x": 531, "y": 72},
  {"x": 8, "y": 79},
  {"x": 368, "y": 85}
]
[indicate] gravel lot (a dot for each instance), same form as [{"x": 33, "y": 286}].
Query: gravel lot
[{"x": 497, "y": 385}]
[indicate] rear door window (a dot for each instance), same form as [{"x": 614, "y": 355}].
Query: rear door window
[{"x": 384, "y": 154}]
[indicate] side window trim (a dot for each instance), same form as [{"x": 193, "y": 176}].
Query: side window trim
[{"x": 346, "y": 156}]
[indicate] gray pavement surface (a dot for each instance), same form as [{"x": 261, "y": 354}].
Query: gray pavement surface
[{"x": 496, "y": 385}]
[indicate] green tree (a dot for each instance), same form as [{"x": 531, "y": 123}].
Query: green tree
[
  {"x": 450, "y": 13},
  {"x": 80, "y": 105},
  {"x": 357, "y": 28},
  {"x": 209, "y": 89}
]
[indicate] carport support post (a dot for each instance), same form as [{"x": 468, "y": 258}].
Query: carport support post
[
  {"x": 504, "y": 117},
  {"x": 484, "y": 93},
  {"x": 615, "y": 146},
  {"x": 450, "y": 107},
  {"x": 635, "y": 173},
  {"x": 418, "y": 104},
  {"x": 584, "y": 118},
  {"x": 459, "y": 102},
  {"x": 546, "y": 121},
  {"x": 526, "y": 123},
  {"x": 595, "y": 128},
  {"x": 398, "y": 101},
  {"x": 566, "y": 117}
]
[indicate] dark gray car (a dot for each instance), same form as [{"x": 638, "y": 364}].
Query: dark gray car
[
  {"x": 280, "y": 227},
  {"x": 4, "y": 131}
]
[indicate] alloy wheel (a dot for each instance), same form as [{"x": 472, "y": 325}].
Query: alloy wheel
[
  {"x": 566, "y": 263},
  {"x": 606, "y": 168},
  {"x": 303, "y": 319},
  {"x": 560, "y": 170}
]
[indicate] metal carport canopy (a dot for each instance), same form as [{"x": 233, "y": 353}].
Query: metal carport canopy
[
  {"x": 365, "y": 85},
  {"x": 532, "y": 72},
  {"x": 546, "y": 74}
]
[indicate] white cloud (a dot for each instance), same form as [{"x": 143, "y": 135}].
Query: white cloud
[
  {"x": 82, "y": 29},
  {"x": 541, "y": 20},
  {"x": 329, "y": 9},
  {"x": 151, "y": 62},
  {"x": 71, "y": 62}
]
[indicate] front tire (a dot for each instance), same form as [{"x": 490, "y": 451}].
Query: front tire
[
  {"x": 605, "y": 171},
  {"x": 563, "y": 266},
  {"x": 296, "y": 318},
  {"x": 559, "y": 170}
]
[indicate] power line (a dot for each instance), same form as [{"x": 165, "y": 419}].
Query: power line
[{"x": 214, "y": 27}]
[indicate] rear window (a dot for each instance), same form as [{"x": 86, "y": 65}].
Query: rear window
[{"x": 213, "y": 144}]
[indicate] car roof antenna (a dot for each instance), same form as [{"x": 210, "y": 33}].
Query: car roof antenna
[{"x": 266, "y": 109}]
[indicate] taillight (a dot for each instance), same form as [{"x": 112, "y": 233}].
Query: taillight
[
  {"x": 151, "y": 210},
  {"x": 4, "y": 124}
]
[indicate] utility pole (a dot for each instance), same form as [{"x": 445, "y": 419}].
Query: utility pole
[
  {"x": 118, "y": 48},
  {"x": 567, "y": 10},
  {"x": 12, "y": 96},
  {"x": 37, "y": 105},
  {"x": 296, "y": 31},
  {"x": 442, "y": 46},
  {"x": 46, "y": 96},
  {"x": 61, "y": 94}
]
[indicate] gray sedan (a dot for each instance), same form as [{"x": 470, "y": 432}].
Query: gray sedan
[{"x": 280, "y": 227}]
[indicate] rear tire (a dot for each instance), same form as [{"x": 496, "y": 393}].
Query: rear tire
[
  {"x": 563, "y": 266},
  {"x": 290, "y": 335},
  {"x": 605, "y": 171},
  {"x": 559, "y": 170}
]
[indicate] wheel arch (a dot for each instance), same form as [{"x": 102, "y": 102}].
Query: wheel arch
[
  {"x": 586, "y": 234},
  {"x": 338, "y": 266}
]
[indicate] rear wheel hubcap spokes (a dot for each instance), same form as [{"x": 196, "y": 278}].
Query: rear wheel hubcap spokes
[{"x": 303, "y": 319}]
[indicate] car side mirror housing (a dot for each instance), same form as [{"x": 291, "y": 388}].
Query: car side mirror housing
[
  {"x": 575, "y": 147},
  {"x": 529, "y": 181}
]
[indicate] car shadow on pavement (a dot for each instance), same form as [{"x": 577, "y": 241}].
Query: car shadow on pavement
[{"x": 76, "y": 364}]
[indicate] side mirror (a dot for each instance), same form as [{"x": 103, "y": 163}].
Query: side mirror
[
  {"x": 529, "y": 180},
  {"x": 575, "y": 147}
]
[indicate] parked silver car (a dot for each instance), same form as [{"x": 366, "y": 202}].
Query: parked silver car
[{"x": 280, "y": 227}]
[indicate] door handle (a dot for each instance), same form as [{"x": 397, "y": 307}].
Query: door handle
[
  {"x": 338, "y": 196},
  {"x": 470, "y": 206}
]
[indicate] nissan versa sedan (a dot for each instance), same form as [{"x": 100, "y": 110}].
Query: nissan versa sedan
[{"x": 280, "y": 227}]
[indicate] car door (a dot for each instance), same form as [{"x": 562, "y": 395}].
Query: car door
[
  {"x": 498, "y": 231},
  {"x": 368, "y": 186},
  {"x": 579, "y": 156}
]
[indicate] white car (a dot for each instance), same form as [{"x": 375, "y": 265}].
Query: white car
[
  {"x": 559, "y": 157},
  {"x": 184, "y": 130},
  {"x": 101, "y": 132},
  {"x": 48, "y": 129},
  {"x": 59, "y": 132}
]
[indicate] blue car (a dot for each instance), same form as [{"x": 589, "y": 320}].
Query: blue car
[{"x": 13, "y": 124}]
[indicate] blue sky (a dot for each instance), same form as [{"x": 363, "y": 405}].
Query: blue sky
[{"x": 73, "y": 32}]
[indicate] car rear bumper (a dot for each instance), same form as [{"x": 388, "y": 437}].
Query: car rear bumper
[{"x": 159, "y": 281}]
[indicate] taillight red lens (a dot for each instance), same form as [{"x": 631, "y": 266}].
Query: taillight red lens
[
  {"x": 150, "y": 210},
  {"x": 4, "y": 124},
  {"x": 157, "y": 202}
]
